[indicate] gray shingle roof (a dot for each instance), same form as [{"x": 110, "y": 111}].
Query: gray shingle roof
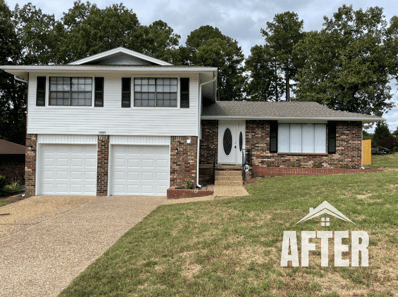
[{"x": 279, "y": 110}]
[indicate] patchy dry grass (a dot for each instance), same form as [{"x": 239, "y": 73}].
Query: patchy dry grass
[{"x": 232, "y": 247}]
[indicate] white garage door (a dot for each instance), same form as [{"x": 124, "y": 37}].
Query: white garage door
[
  {"x": 68, "y": 169},
  {"x": 140, "y": 170}
]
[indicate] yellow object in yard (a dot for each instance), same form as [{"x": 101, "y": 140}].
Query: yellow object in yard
[{"x": 366, "y": 152}]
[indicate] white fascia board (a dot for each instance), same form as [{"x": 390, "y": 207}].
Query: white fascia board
[
  {"x": 120, "y": 50},
  {"x": 18, "y": 69},
  {"x": 365, "y": 120}
]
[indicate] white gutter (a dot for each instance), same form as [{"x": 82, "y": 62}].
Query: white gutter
[
  {"x": 20, "y": 79},
  {"x": 79, "y": 68},
  {"x": 199, "y": 128},
  {"x": 369, "y": 120}
]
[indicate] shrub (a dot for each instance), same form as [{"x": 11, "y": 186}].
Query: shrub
[
  {"x": 2, "y": 182},
  {"x": 343, "y": 167},
  {"x": 14, "y": 187},
  {"x": 188, "y": 183},
  {"x": 387, "y": 142},
  {"x": 293, "y": 164},
  {"x": 319, "y": 165},
  {"x": 268, "y": 164}
]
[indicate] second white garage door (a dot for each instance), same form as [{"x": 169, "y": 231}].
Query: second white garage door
[{"x": 140, "y": 170}]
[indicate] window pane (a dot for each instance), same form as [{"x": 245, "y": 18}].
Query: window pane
[
  {"x": 137, "y": 88},
  {"x": 159, "y": 81},
  {"x": 173, "y": 103},
  {"x": 173, "y": 96},
  {"x": 137, "y": 103},
  {"x": 87, "y": 88},
  {"x": 159, "y": 103},
  {"x": 166, "y": 103},
  {"x": 152, "y": 81},
  {"x": 145, "y": 88},
  {"x": 320, "y": 138},
  {"x": 283, "y": 138},
  {"x": 295, "y": 138},
  {"x": 308, "y": 138},
  {"x": 144, "y": 103},
  {"x": 166, "y": 96},
  {"x": 53, "y": 87},
  {"x": 159, "y": 96},
  {"x": 159, "y": 88},
  {"x": 151, "y": 95},
  {"x": 173, "y": 81},
  {"x": 167, "y": 88},
  {"x": 151, "y": 88},
  {"x": 173, "y": 89},
  {"x": 152, "y": 102},
  {"x": 138, "y": 95},
  {"x": 145, "y": 96},
  {"x": 144, "y": 81},
  {"x": 137, "y": 81}
]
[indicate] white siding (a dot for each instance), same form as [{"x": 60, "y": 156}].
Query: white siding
[
  {"x": 67, "y": 139},
  {"x": 140, "y": 140},
  {"x": 112, "y": 118}
]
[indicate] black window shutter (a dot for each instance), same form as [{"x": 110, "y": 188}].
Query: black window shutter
[
  {"x": 184, "y": 93},
  {"x": 99, "y": 92},
  {"x": 41, "y": 91},
  {"x": 273, "y": 137},
  {"x": 126, "y": 92},
  {"x": 331, "y": 137}
]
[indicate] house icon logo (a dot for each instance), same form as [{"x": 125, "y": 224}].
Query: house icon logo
[{"x": 325, "y": 208}]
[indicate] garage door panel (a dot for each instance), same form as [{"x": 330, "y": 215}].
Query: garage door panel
[
  {"x": 146, "y": 168},
  {"x": 68, "y": 169}
]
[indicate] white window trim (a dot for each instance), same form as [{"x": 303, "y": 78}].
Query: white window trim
[
  {"x": 47, "y": 98},
  {"x": 302, "y": 130},
  {"x": 154, "y": 107}
]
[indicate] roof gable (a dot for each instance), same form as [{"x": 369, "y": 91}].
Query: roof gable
[{"x": 120, "y": 56}]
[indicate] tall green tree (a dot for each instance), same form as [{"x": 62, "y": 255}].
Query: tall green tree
[
  {"x": 12, "y": 93},
  {"x": 348, "y": 64},
  {"x": 265, "y": 81},
  {"x": 38, "y": 34},
  {"x": 207, "y": 46},
  {"x": 381, "y": 131},
  {"x": 281, "y": 35}
]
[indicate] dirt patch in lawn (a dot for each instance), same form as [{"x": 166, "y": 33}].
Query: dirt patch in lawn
[{"x": 21, "y": 214}]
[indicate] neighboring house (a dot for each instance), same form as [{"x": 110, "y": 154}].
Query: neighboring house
[
  {"x": 122, "y": 123},
  {"x": 12, "y": 161}
]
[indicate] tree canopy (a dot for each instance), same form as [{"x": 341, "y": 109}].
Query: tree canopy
[
  {"x": 207, "y": 46},
  {"x": 348, "y": 64}
]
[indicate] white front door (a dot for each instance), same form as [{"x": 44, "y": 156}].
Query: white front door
[{"x": 231, "y": 141}]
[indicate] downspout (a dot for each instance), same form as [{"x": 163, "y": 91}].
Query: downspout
[
  {"x": 20, "y": 79},
  {"x": 199, "y": 128}
]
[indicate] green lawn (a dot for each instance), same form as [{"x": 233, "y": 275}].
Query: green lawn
[
  {"x": 3, "y": 201},
  {"x": 232, "y": 247},
  {"x": 384, "y": 161}
]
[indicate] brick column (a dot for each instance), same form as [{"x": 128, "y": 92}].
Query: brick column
[
  {"x": 30, "y": 165},
  {"x": 183, "y": 162},
  {"x": 102, "y": 165}
]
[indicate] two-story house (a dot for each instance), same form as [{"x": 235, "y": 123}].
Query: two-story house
[{"x": 123, "y": 123}]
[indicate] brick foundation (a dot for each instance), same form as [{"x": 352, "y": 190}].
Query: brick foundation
[
  {"x": 183, "y": 162},
  {"x": 260, "y": 171},
  {"x": 102, "y": 165},
  {"x": 208, "y": 145},
  {"x": 30, "y": 165},
  {"x": 182, "y": 193}
]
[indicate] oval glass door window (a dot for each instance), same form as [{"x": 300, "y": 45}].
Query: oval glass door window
[
  {"x": 227, "y": 141},
  {"x": 240, "y": 141}
]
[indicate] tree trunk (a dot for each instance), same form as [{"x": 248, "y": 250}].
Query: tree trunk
[{"x": 287, "y": 82}]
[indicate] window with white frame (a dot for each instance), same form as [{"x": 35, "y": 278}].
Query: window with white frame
[
  {"x": 71, "y": 91},
  {"x": 155, "y": 92},
  {"x": 302, "y": 138}
]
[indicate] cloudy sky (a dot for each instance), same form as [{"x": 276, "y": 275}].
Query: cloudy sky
[{"x": 239, "y": 19}]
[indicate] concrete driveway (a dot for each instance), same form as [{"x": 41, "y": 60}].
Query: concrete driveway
[{"x": 40, "y": 256}]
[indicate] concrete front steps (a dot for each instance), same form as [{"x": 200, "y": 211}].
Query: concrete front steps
[{"x": 228, "y": 178}]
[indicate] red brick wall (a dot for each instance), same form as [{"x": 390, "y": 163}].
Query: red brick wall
[
  {"x": 30, "y": 165},
  {"x": 13, "y": 168},
  {"x": 280, "y": 171},
  {"x": 348, "y": 148},
  {"x": 209, "y": 142},
  {"x": 183, "y": 162},
  {"x": 102, "y": 165}
]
